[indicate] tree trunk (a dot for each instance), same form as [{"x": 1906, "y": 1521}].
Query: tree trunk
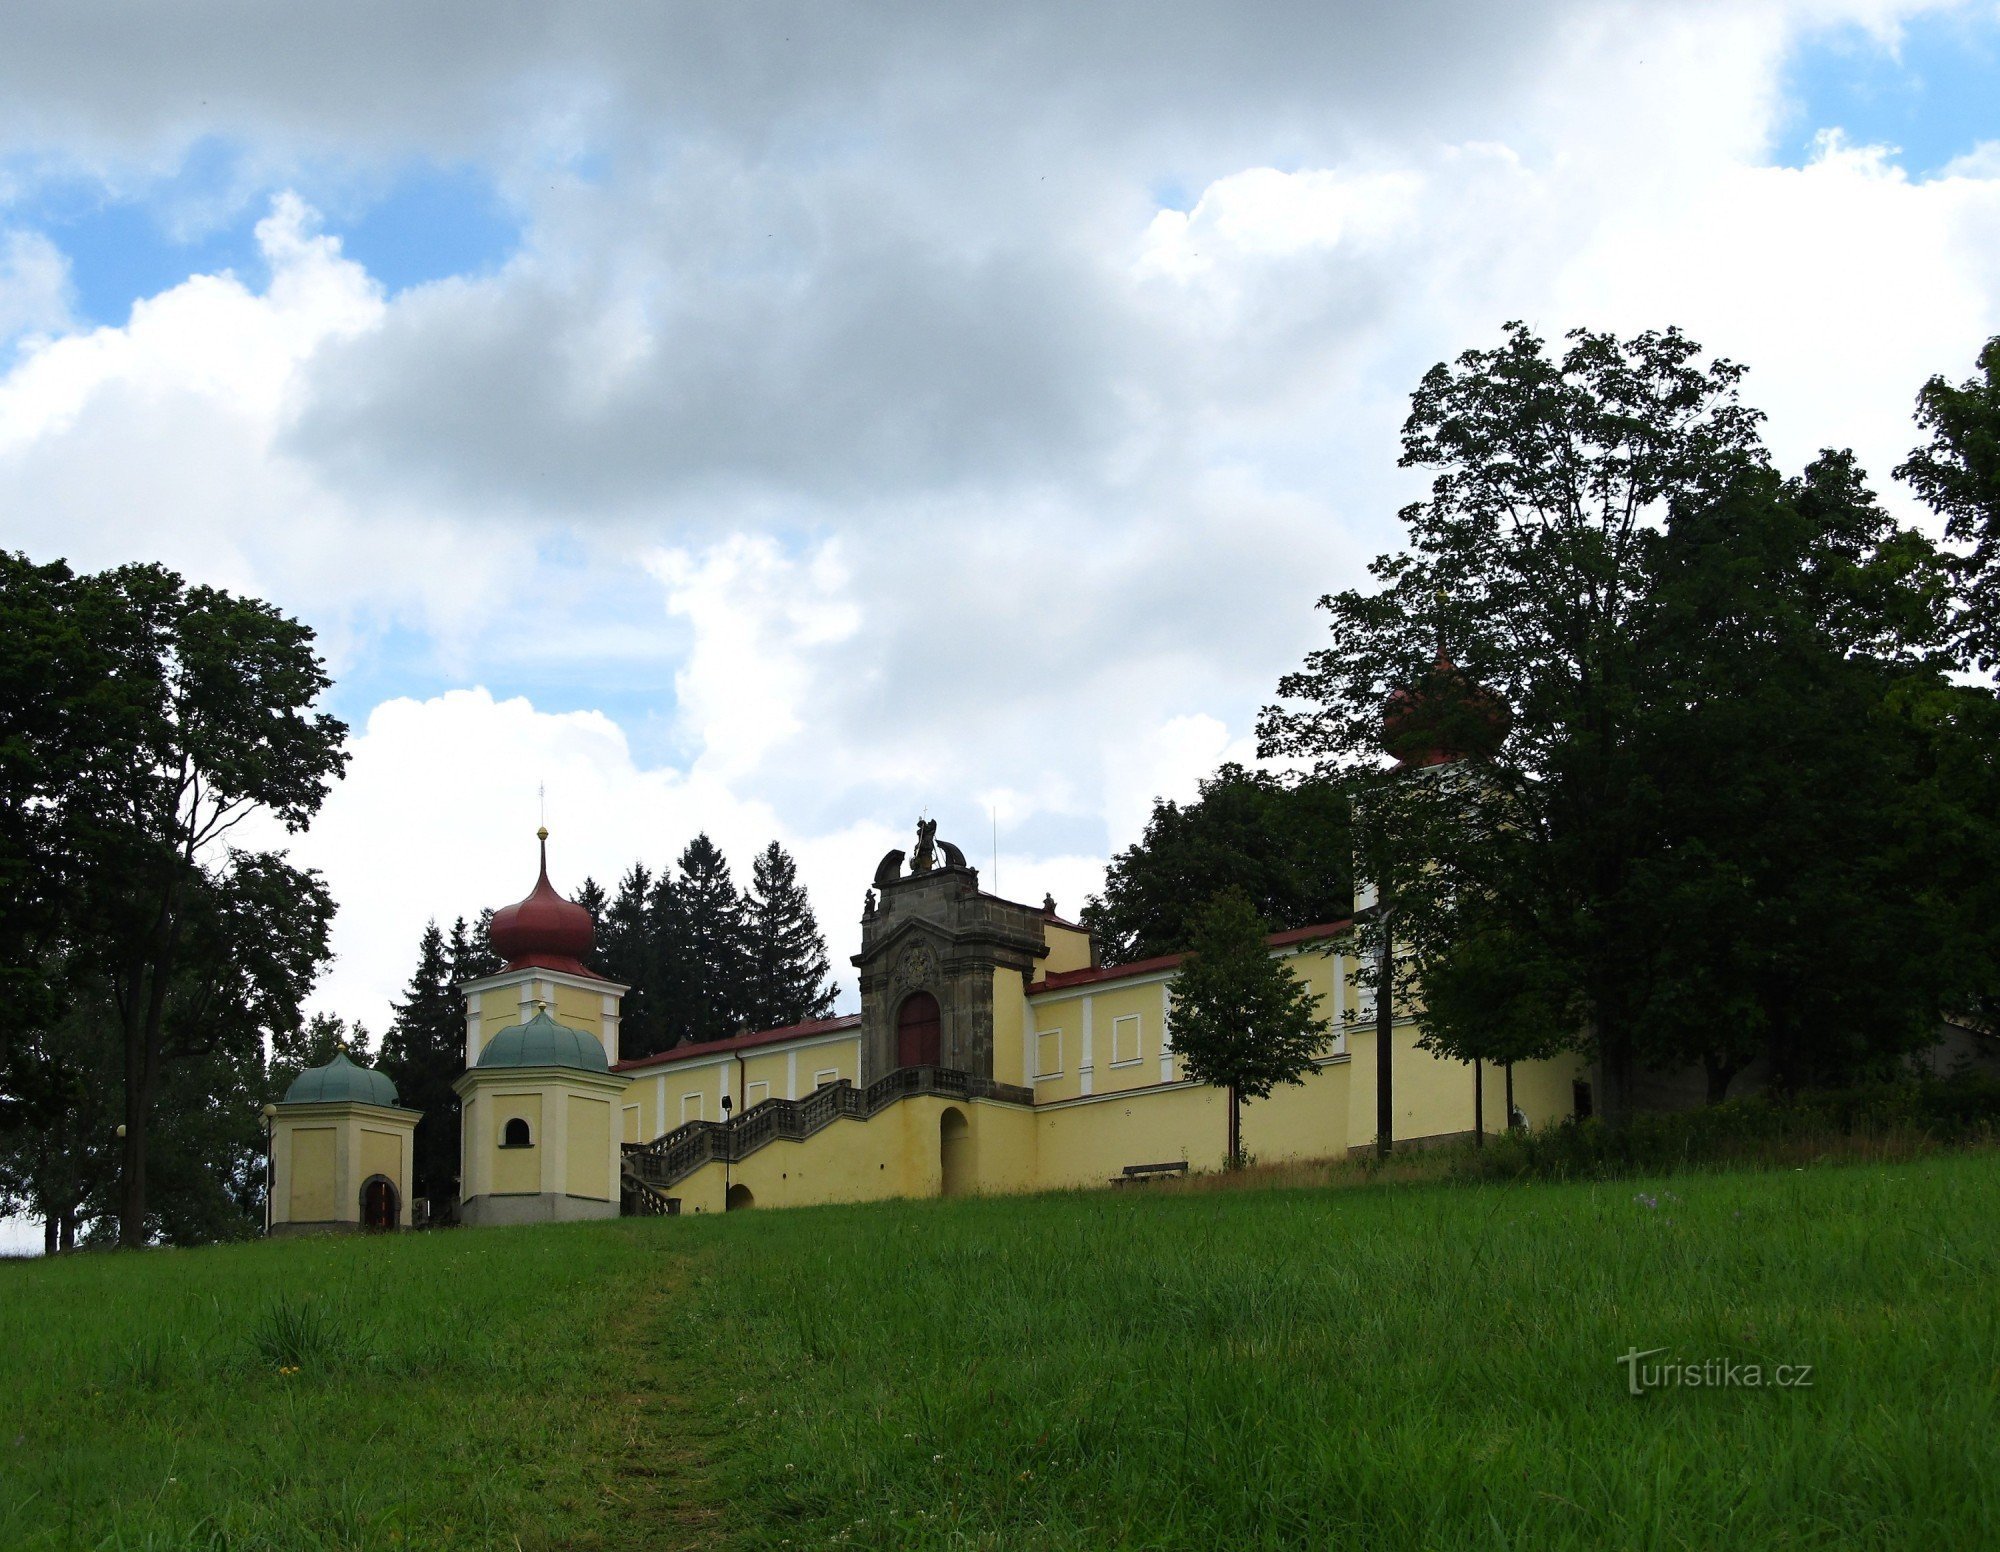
[
  {"x": 50, "y": 1239},
  {"x": 1720, "y": 1074},
  {"x": 1235, "y": 1129},
  {"x": 68, "y": 1229},
  {"x": 143, "y": 1023}
]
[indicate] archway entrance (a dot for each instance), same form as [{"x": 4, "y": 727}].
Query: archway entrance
[
  {"x": 379, "y": 1203},
  {"x": 918, "y": 1031},
  {"x": 739, "y": 1197},
  {"x": 955, "y": 1153}
]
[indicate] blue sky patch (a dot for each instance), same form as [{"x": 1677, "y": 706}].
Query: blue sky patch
[
  {"x": 1935, "y": 97},
  {"x": 138, "y": 237}
]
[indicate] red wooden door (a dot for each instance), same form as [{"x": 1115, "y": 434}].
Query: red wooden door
[{"x": 918, "y": 1040}]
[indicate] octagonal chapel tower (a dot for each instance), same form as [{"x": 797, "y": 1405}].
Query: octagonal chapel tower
[{"x": 536, "y": 1139}]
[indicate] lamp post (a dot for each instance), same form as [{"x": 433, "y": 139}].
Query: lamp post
[
  {"x": 1385, "y": 1017},
  {"x": 270, "y": 1114},
  {"x": 728, "y": 1143}
]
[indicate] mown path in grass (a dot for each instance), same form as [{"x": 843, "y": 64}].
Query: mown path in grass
[
  {"x": 477, "y": 1390},
  {"x": 1396, "y": 1367}
]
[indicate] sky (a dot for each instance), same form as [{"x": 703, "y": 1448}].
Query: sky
[{"x": 783, "y": 420}]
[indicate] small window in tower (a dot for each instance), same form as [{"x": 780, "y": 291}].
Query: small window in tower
[{"x": 515, "y": 1134}]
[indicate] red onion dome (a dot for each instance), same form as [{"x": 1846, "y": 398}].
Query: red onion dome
[
  {"x": 544, "y": 930},
  {"x": 1446, "y": 716}
]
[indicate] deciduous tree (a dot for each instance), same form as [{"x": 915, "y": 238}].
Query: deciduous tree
[{"x": 1241, "y": 1020}]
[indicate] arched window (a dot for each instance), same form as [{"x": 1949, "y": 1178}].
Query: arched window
[
  {"x": 516, "y": 1134},
  {"x": 917, "y": 1031}
]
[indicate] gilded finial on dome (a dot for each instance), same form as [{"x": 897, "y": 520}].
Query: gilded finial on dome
[{"x": 542, "y": 832}]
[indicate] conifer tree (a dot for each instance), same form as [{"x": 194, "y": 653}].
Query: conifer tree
[
  {"x": 592, "y": 898},
  {"x": 1241, "y": 1020},
  {"x": 469, "y": 952},
  {"x": 788, "y": 963},
  {"x": 627, "y": 954},
  {"x": 711, "y": 934},
  {"x": 422, "y": 1053}
]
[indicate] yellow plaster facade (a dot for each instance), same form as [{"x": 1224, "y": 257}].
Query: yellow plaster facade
[{"x": 325, "y": 1157}]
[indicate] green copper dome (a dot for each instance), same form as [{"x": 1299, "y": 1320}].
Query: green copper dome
[
  {"x": 542, "y": 1042},
  {"x": 341, "y": 1079}
]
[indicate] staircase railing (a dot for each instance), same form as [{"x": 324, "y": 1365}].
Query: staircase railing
[{"x": 680, "y": 1152}]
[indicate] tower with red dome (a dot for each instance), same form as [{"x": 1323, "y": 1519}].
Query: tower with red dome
[{"x": 539, "y": 1117}]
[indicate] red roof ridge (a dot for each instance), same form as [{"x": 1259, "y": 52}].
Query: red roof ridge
[
  {"x": 1062, "y": 980},
  {"x": 743, "y": 1042}
]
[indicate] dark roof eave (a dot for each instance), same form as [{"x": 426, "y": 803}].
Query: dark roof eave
[
  {"x": 1065, "y": 980},
  {"x": 754, "y": 1040}
]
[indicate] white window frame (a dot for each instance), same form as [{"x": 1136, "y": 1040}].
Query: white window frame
[
  {"x": 751, "y": 1098},
  {"x": 825, "y": 1076},
  {"x": 1138, "y": 1040},
  {"x": 698, "y": 1096},
  {"x": 1041, "y": 1073}
]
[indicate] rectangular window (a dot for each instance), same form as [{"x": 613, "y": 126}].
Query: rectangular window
[
  {"x": 1125, "y": 1040},
  {"x": 755, "y": 1094},
  {"x": 825, "y": 1076},
  {"x": 1048, "y": 1053},
  {"x": 690, "y": 1107}
]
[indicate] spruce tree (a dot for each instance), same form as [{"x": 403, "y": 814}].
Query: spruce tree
[
  {"x": 422, "y": 1053},
  {"x": 788, "y": 962},
  {"x": 626, "y": 953},
  {"x": 469, "y": 952},
  {"x": 711, "y": 934}
]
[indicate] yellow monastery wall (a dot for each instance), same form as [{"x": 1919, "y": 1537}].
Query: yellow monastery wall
[
  {"x": 588, "y": 1144},
  {"x": 763, "y": 1076},
  {"x": 1069, "y": 949},
  {"x": 896, "y": 1153},
  {"x": 382, "y": 1154},
  {"x": 576, "y": 1008},
  {"x": 1010, "y": 1011},
  {"x": 1090, "y": 1143},
  {"x": 1308, "y": 1120},
  {"x": 515, "y": 1170},
  {"x": 313, "y": 1173},
  {"x": 1433, "y": 1097},
  {"x": 659, "y": 1099}
]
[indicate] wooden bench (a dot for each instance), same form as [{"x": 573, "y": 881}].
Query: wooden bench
[{"x": 1139, "y": 1174}]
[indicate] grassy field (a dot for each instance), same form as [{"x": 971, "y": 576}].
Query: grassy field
[{"x": 1383, "y": 1366}]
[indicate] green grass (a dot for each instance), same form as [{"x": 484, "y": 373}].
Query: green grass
[{"x": 1376, "y": 1366}]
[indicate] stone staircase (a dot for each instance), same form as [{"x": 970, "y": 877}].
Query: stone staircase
[{"x": 649, "y": 1169}]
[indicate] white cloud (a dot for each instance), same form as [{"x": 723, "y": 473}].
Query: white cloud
[
  {"x": 34, "y": 287},
  {"x": 437, "y": 814},
  {"x": 758, "y": 618},
  {"x": 925, "y": 458}
]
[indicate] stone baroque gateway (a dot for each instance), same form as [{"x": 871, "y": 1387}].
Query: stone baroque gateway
[{"x": 1051, "y": 1071}]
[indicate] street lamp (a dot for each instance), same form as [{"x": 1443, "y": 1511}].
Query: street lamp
[
  {"x": 270, "y": 1126},
  {"x": 727, "y": 1106}
]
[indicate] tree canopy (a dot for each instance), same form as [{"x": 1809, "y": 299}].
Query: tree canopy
[
  {"x": 1708, "y": 673},
  {"x": 1285, "y": 844},
  {"x": 147, "y": 719},
  {"x": 1240, "y": 1019}
]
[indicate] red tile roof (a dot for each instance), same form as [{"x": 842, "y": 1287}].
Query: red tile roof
[
  {"x": 761, "y": 1037},
  {"x": 1063, "y": 980}
]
